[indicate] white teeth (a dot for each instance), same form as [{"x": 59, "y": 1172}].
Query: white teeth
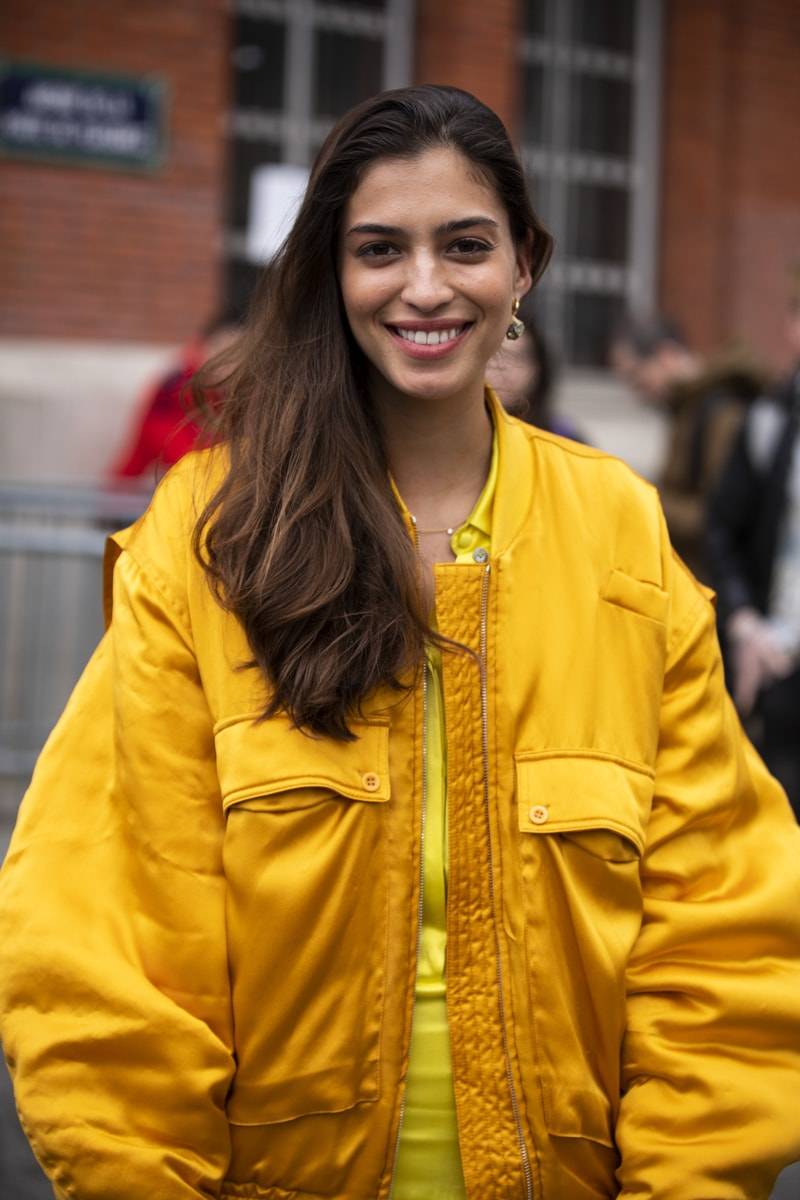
[{"x": 433, "y": 337}]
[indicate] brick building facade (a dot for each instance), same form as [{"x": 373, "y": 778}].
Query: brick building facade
[
  {"x": 469, "y": 53},
  {"x": 95, "y": 253},
  {"x": 698, "y": 211},
  {"x": 104, "y": 271},
  {"x": 730, "y": 225}
]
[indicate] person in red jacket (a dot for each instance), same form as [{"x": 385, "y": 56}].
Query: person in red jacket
[{"x": 166, "y": 427}]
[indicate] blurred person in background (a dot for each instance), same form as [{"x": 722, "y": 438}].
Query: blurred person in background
[
  {"x": 523, "y": 373},
  {"x": 705, "y": 401},
  {"x": 754, "y": 549},
  {"x": 400, "y": 837},
  {"x": 167, "y": 425}
]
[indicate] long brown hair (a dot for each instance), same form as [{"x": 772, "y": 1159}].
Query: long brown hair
[{"x": 303, "y": 540}]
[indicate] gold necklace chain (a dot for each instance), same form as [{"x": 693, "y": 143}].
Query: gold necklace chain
[{"x": 449, "y": 531}]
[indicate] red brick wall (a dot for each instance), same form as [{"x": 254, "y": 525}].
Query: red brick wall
[
  {"x": 105, "y": 254},
  {"x": 471, "y": 44},
  {"x": 731, "y": 174}
]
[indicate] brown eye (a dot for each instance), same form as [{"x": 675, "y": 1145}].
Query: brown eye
[
  {"x": 471, "y": 246},
  {"x": 377, "y": 250}
]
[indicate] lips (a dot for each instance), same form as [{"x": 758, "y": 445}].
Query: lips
[{"x": 429, "y": 339}]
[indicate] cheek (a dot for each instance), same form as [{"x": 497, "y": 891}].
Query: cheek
[
  {"x": 498, "y": 313},
  {"x": 348, "y": 283},
  {"x": 364, "y": 291},
  {"x": 493, "y": 291}
]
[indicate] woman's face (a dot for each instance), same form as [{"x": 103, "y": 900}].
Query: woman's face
[{"x": 428, "y": 270}]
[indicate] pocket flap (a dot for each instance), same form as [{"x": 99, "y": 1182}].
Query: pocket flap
[
  {"x": 261, "y": 758},
  {"x": 569, "y": 792},
  {"x": 645, "y": 599},
  {"x": 581, "y": 1113}
]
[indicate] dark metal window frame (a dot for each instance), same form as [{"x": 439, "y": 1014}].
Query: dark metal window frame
[
  {"x": 559, "y": 166},
  {"x": 294, "y": 128}
]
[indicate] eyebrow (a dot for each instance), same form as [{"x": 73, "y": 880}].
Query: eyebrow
[{"x": 441, "y": 230}]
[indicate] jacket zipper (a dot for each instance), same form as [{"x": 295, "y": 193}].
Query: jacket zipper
[
  {"x": 523, "y": 1149},
  {"x": 421, "y": 901}
]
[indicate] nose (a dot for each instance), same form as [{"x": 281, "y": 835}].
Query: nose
[{"x": 426, "y": 286}]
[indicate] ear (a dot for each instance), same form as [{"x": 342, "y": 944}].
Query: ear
[{"x": 522, "y": 266}]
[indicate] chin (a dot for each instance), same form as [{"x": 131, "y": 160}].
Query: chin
[
  {"x": 432, "y": 382},
  {"x": 429, "y": 388}
]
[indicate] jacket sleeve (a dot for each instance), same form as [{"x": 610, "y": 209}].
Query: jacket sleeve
[
  {"x": 711, "y": 1058},
  {"x": 113, "y": 980}
]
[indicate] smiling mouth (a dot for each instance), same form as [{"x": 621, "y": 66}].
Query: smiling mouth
[
  {"x": 430, "y": 337},
  {"x": 431, "y": 341}
]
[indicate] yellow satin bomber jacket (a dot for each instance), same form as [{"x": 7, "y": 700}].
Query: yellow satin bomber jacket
[{"x": 208, "y": 925}]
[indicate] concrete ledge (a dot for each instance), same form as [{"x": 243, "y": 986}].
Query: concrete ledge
[{"x": 67, "y": 406}]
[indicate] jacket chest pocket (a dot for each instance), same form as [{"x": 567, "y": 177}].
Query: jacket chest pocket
[
  {"x": 627, "y": 671},
  {"x": 305, "y": 868},
  {"x": 582, "y": 820}
]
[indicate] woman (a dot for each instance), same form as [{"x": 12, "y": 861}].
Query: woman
[
  {"x": 522, "y": 372},
  {"x": 334, "y": 879}
]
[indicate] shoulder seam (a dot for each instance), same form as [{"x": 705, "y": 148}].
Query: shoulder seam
[
  {"x": 687, "y": 627},
  {"x": 155, "y": 577},
  {"x": 590, "y": 453},
  {"x": 568, "y": 446}
]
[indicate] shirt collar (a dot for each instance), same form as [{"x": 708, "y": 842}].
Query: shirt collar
[{"x": 481, "y": 516}]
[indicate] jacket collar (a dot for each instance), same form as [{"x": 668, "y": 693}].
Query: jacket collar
[{"x": 515, "y": 481}]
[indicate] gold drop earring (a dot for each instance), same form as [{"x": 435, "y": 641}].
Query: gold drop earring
[{"x": 517, "y": 327}]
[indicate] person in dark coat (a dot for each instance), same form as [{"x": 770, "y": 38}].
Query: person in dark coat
[
  {"x": 705, "y": 400},
  {"x": 754, "y": 552}
]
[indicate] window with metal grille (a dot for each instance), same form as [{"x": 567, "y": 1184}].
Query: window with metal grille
[
  {"x": 296, "y": 66},
  {"x": 590, "y": 133}
]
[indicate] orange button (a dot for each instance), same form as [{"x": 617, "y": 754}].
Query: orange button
[
  {"x": 371, "y": 781},
  {"x": 539, "y": 814}
]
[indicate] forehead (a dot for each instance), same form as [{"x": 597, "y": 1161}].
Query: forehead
[{"x": 434, "y": 187}]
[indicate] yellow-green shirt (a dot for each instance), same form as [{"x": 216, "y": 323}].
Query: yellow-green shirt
[{"x": 428, "y": 1163}]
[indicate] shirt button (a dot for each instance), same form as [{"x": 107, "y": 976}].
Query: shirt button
[
  {"x": 481, "y": 555},
  {"x": 371, "y": 781},
  {"x": 464, "y": 540},
  {"x": 539, "y": 814}
]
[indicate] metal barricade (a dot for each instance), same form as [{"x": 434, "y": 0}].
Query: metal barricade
[{"x": 51, "y": 552}]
